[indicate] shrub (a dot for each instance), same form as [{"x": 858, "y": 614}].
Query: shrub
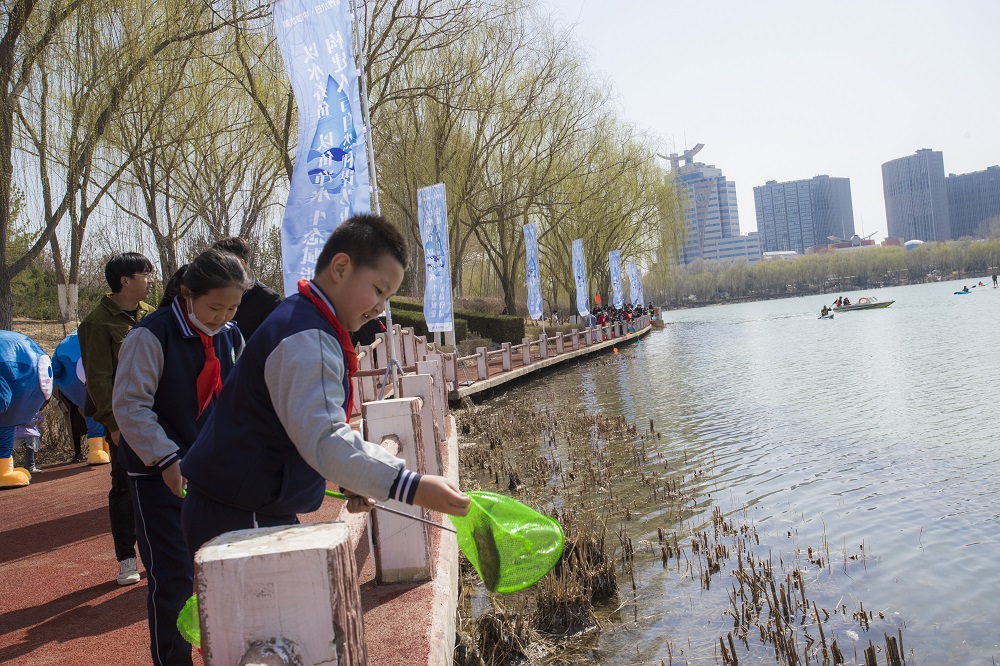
[
  {"x": 498, "y": 328},
  {"x": 415, "y": 320}
]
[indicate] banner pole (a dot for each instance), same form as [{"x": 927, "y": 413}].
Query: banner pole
[{"x": 373, "y": 179}]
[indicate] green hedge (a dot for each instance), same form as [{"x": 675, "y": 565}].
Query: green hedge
[
  {"x": 415, "y": 320},
  {"x": 498, "y": 328},
  {"x": 409, "y": 306}
]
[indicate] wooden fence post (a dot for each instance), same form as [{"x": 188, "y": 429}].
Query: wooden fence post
[
  {"x": 420, "y": 348},
  {"x": 292, "y": 589},
  {"x": 543, "y": 346},
  {"x": 526, "y": 351},
  {"x": 576, "y": 339},
  {"x": 483, "y": 363},
  {"x": 367, "y": 392},
  {"x": 382, "y": 351},
  {"x": 409, "y": 347},
  {"x": 505, "y": 358},
  {"x": 401, "y": 545},
  {"x": 422, "y": 386},
  {"x": 434, "y": 366}
]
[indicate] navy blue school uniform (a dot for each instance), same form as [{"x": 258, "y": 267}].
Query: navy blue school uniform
[
  {"x": 281, "y": 429},
  {"x": 160, "y": 413}
]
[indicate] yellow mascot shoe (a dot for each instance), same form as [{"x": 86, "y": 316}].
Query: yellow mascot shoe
[
  {"x": 97, "y": 455},
  {"x": 12, "y": 477}
]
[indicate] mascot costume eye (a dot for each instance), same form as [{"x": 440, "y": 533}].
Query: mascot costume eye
[{"x": 25, "y": 385}]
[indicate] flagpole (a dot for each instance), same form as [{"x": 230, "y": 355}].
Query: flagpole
[{"x": 373, "y": 179}]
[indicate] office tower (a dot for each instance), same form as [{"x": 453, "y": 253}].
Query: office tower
[
  {"x": 973, "y": 201},
  {"x": 802, "y": 214},
  {"x": 916, "y": 199},
  {"x": 710, "y": 215}
]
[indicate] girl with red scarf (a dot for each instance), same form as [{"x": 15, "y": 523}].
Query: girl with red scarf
[{"x": 171, "y": 368}]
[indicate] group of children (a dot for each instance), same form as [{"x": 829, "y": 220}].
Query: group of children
[{"x": 218, "y": 433}]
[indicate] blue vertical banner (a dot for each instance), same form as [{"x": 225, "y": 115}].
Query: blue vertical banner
[
  {"x": 615, "y": 264},
  {"x": 432, "y": 214},
  {"x": 330, "y": 181},
  {"x": 531, "y": 271},
  {"x": 634, "y": 287},
  {"x": 642, "y": 292},
  {"x": 580, "y": 276}
]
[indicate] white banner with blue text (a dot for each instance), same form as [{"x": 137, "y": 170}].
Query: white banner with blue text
[
  {"x": 330, "y": 180},
  {"x": 615, "y": 264},
  {"x": 580, "y": 275},
  {"x": 531, "y": 271},
  {"x": 432, "y": 214},
  {"x": 634, "y": 287}
]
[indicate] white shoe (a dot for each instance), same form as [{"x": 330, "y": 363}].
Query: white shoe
[{"x": 128, "y": 572}]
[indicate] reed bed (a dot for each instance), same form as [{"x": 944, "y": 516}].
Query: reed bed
[{"x": 597, "y": 475}]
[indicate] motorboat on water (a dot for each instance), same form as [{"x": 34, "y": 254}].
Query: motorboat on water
[{"x": 864, "y": 303}]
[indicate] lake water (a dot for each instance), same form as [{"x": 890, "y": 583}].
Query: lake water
[{"x": 877, "y": 429}]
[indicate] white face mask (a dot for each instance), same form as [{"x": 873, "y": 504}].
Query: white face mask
[{"x": 197, "y": 323}]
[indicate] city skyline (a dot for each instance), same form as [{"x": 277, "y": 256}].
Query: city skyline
[{"x": 774, "y": 97}]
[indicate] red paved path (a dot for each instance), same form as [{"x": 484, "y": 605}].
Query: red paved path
[{"x": 59, "y": 603}]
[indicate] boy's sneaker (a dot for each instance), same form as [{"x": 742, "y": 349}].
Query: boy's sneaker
[
  {"x": 128, "y": 573},
  {"x": 34, "y": 469}
]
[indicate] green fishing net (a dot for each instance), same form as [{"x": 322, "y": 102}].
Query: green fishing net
[
  {"x": 188, "y": 624},
  {"x": 510, "y": 544}
]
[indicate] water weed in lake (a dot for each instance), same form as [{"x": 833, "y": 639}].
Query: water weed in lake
[{"x": 777, "y": 600}]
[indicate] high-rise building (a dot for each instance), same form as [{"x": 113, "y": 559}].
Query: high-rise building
[
  {"x": 710, "y": 215},
  {"x": 973, "y": 200},
  {"x": 801, "y": 214},
  {"x": 916, "y": 199}
]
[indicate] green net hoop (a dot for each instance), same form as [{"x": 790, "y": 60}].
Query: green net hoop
[{"x": 511, "y": 545}]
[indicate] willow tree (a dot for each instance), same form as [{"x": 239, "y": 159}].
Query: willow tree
[{"x": 118, "y": 43}]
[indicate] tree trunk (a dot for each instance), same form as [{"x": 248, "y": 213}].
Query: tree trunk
[{"x": 6, "y": 300}]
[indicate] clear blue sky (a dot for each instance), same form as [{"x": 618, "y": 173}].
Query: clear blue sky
[{"x": 785, "y": 90}]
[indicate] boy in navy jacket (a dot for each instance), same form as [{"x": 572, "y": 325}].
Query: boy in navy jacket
[{"x": 280, "y": 428}]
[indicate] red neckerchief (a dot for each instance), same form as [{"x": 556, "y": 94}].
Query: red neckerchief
[
  {"x": 350, "y": 356},
  {"x": 209, "y": 381}
]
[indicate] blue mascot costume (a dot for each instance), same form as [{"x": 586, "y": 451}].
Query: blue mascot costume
[
  {"x": 25, "y": 385},
  {"x": 67, "y": 368}
]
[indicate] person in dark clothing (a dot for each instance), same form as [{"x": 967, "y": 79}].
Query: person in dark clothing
[
  {"x": 365, "y": 335},
  {"x": 259, "y": 300},
  {"x": 130, "y": 277},
  {"x": 76, "y": 423}
]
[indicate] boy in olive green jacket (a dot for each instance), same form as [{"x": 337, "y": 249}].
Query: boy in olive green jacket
[{"x": 130, "y": 276}]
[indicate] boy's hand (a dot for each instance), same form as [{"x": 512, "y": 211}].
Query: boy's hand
[
  {"x": 358, "y": 503},
  {"x": 439, "y": 494},
  {"x": 173, "y": 478}
]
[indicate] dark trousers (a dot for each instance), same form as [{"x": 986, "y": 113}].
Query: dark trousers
[
  {"x": 120, "y": 507},
  {"x": 168, "y": 566},
  {"x": 204, "y": 519},
  {"x": 77, "y": 429}
]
